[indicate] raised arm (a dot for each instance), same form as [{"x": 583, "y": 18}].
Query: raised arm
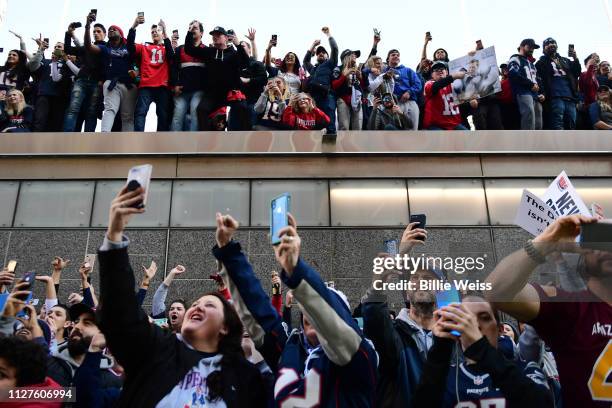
[
  {"x": 251, "y": 37},
  {"x": 159, "y": 298},
  {"x": 424, "y": 52},
  {"x": 510, "y": 290},
  {"x": 50, "y": 295},
  {"x": 58, "y": 265},
  {"x": 126, "y": 326},
  {"x": 22, "y": 45},
  {"x": 87, "y": 38}
]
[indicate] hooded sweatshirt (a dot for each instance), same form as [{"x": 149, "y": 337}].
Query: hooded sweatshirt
[{"x": 62, "y": 368}]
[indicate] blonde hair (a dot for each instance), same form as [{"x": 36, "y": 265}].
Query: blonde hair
[
  {"x": 370, "y": 62},
  {"x": 284, "y": 91},
  {"x": 294, "y": 101},
  {"x": 15, "y": 109}
]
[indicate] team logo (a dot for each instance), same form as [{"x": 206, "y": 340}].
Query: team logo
[
  {"x": 562, "y": 183},
  {"x": 478, "y": 380}
]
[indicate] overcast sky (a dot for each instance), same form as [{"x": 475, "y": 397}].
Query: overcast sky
[{"x": 454, "y": 24}]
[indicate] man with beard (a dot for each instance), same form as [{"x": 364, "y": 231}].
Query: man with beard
[
  {"x": 523, "y": 80},
  {"x": 62, "y": 366},
  {"x": 576, "y": 325},
  {"x": 402, "y": 344},
  {"x": 177, "y": 306},
  {"x": 560, "y": 85}
]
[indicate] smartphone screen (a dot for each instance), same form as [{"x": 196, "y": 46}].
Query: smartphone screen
[
  {"x": 3, "y": 298},
  {"x": 140, "y": 176},
  {"x": 420, "y": 219},
  {"x": 274, "y": 37},
  {"x": 46, "y": 40},
  {"x": 160, "y": 322},
  {"x": 279, "y": 207},
  {"x": 391, "y": 247},
  {"x": 29, "y": 278},
  {"x": 447, "y": 297},
  {"x": 596, "y": 235},
  {"x": 12, "y": 266}
]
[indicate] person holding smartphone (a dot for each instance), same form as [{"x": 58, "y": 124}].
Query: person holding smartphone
[
  {"x": 559, "y": 81},
  {"x": 118, "y": 90},
  {"x": 336, "y": 363},
  {"x": 86, "y": 91},
  {"x": 485, "y": 375},
  {"x": 205, "y": 363},
  {"x": 525, "y": 85},
  {"x": 188, "y": 80},
  {"x": 407, "y": 87},
  {"x": 302, "y": 114},
  {"x": 441, "y": 109},
  {"x": 54, "y": 82},
  {"x": 154, "y": 60}
]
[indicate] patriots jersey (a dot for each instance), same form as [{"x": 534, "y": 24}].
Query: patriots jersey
[
  {"x": 466, "y": 387},
  {"x": 339, "y": 372}
]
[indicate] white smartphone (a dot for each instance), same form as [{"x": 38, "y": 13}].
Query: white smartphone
[
  {"x": 140, "y": 176},
  {"x": 90, "y": 261}
]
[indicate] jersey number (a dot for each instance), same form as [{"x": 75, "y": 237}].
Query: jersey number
[
  {"x": 531, "y": 74},
  {"x": 450, "y": 108},
  {"x": 484, "y": 403},
  {"x": 160, "y": 56},
  {"x": 312, "y": 389},
  {"x": 600, "y": 389}
]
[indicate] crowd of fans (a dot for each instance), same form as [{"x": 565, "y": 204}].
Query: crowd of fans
[
  {"x": 223, "y": 85},
  {"x": 239, "y": 346}
]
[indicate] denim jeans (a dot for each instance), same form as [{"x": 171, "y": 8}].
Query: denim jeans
[
  {"x": 531, "y": 112},
  {"x": 83, "y": 98},
  {"x": 186, "y": 102},
  {"x": 327, "y": 104},
  {"x": 562, "y": 114},
  {"x": 146, "y": 96}
]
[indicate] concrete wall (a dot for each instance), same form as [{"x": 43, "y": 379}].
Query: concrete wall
[{"x": 342, "y": 255}]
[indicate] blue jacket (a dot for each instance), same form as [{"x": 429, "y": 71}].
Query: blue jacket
[
  {"x": 321, "y": 74},
  {"x": 522, "y": 74},
  {"x": 401, "y": 358},
  {"x": 408, "y": 81},
  {"x": 339, "y": 372}
]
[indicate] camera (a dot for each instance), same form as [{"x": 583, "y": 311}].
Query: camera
[{"x": 387, "y": 98}]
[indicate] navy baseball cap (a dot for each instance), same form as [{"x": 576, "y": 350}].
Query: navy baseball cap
[
  {"x": 549, "y": 40},
  {"x": 439, "y": 64},
  {"x": 218, "y": 30},
  {"x": 320, "y": 49}
]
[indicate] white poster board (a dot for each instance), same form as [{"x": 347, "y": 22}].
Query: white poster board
[
  {"x": 562, "y": 197},
  {"x": 533, "y": 214},
  {"x": 482, "y": 75}
]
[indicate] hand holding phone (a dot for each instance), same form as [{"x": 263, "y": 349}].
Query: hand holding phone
[
  {"x": 94, "y": 12},
  {"x": 446, "y": 298},
  {"x": 420, "y": 219},
  {"x": 274, "y": 40},
  {"x": 570, "y": 50},
  {"x": 141, "y": 17},
  {"x": 140, "y": 176}
]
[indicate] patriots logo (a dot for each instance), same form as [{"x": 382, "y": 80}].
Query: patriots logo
[
  {"x": 562, "y": 183},
  {"x": 478, "y": 380}
]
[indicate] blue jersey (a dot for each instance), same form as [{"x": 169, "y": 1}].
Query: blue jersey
[
  {"x": 339, "y": 372},
  {"x": 467, "y": 387}
]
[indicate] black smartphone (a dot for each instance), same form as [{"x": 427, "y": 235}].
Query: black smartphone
[
  {"x": 29, "y": 278},
  {"x": 1, "y": 49},
  {"x": 94, "y": 12},
  {"x": 46, "y": 40},
  {"x": 597, "y": 235},
  {"x": 570, "y": 49},
  {"x": 76, "y": 24},
  {"x": 421, "y": 220},
  {"x": 175, "y": 34},
  {"x": 428, "y": 34},
  {"x": 479, "y": 45},
  {"x": 274, "y": 37}
]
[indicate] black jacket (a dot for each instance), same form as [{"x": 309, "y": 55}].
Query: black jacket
[
  {"x": 222, "y": 66},
  {"x": 545, "y": 74},
  {"x": 92, "y": 66},
  {"x": 256, "y": 72},
  {"x": 155, "y": 361}
]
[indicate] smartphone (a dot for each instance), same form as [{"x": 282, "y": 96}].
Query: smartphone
[
  {"x": 12, "y": 266},
  {"x": 3, "y": 298},
  {"x": 141, "y": 15},
  {"x": 597, "y": 235},
  {"x": 160, "y": 322},
  {"x": 421, "y": 219},
  {"x": 479, "y": 45},
  {"x": 274, "y": 38},
  {"x": 447, "y": 297},
  {"x": 391, "y": 247},
  {"x": 76, "y": 24},
  {"x": 29, "y": 278},
  {"x": 376, "y": 32},
  {"x": 95, "y": 13},
  {"x": 140, "y": 176},
  {"x": 1, "y": 49},
  {"x": 175, "y": 34},
  {"x": 90, "y": 261},
  {"x": 279, "y": 207},
  {"x": 46, "y": 40},
  {"x": 570, "y": 49},
  {"x": 428, "y": 34}
]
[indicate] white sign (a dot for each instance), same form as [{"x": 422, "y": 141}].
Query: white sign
[
  {"x": 533, "y": 214},
  {"x": 481, "y": 75},
  {"x": 562, "y": 197}
]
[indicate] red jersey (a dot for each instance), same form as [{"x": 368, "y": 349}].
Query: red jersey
[
  {"x": 305, "y": 121},
  {"x": 579, "y": 334},
  {"x": 440, "y": 109},
  {"x": 154, "y": 66}
]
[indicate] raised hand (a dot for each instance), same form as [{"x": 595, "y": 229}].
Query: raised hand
[
  {"x": 121, "y": 211},
  {"x": 288, "y": 251},
  {"x": 226, "y": 226},
  {"x": 150, "y": 272},
  {"x": 411, "y": 236},
  {"x": 59, "y": 263},
  {"x": 251, "y": 34}
]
